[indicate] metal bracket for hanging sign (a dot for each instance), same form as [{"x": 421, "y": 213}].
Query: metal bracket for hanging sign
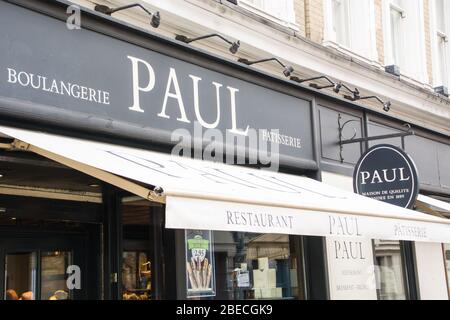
[{"x": 342, "y": 141}]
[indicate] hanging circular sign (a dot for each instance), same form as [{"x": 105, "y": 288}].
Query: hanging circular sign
[{"x": 387, "y": 173}]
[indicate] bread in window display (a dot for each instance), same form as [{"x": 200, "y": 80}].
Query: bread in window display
[
  {"x": 199, "y": 273},
  {"x": 59, "y": 295},
  {"x": 134, "y": 296},
  {"x": 144, "y": 296}
]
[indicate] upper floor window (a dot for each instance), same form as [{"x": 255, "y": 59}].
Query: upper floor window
[
  {"x": 439, "y": 11},
  {"x": 340, "y": 21},
  {"x": 404, "y": 37},
  {"x": 281, "y": 11},
  {"x": 350, "y": 25},
  {"x": 396, "y": 15}
]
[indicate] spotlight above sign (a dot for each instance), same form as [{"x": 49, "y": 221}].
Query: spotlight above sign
[
  {"x": 288, "y": 70},
  {"x": 234, "y": 45},
  {"x": 155, "y": 17}
]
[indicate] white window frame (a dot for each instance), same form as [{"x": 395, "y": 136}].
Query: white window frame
[
  {"x": 390, "y": 58},
  {"x": 347, "y": 21},
  {"x": 387, "y": 5},
  {"x": 444, "y": 35},
  {"x": 287, "y": 20},
  {"x": 330, "y": 37}
]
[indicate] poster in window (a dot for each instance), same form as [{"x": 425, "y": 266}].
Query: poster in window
[{"x": 200, "y": 269}]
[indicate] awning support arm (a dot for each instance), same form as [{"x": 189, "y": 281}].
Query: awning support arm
[{"x": 95, "y": 172}]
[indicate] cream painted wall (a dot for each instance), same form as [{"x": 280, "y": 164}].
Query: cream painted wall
[{"x": 431, "y": 271}]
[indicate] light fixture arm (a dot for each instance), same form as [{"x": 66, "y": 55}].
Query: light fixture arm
[
  {"x": 265, "y": 60},
  {"x": 386, "y": 104},
  {"x": 316, "y": 78},
  {"x": 107, "y": 10},
  {"x": 332, "y": 84},
  {"x": 234, "y": 45},
  {"x": 355, "y": 91},
  {"x": 189, "y": 40},
  {"x": 155, "y": 17},
  {"x": 288, "y": 70}
]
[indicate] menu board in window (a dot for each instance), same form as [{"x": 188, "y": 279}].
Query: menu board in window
[{"x": 200, "y": 271}]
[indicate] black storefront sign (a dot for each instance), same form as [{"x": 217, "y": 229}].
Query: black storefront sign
[
  {"x": 388, "y": 174},
  {"x": 125, "y": 85}
]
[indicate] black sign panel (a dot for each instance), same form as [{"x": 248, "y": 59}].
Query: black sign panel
[
  {"x": 388, "y": 174},
  {"x": 44, "y": 62}
]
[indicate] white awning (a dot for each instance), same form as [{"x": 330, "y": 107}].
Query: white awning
[
  {"x": 434, "y": 204},
  {"x": 215, "y": 196}
]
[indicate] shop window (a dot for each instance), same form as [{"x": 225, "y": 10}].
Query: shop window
[
  {"x": 280, "y": 11},
  {"x": 350, "y": 26},
  {"x": 53, "y": 275},
  {"x": 21, "y": 270},
  {"x": 141, "y": 250},
  {"x": 447, "y": 264},
  {"x": 137, "y": 249},
  {"x": 20, "y": 276},
  {"x": 136, "y": 275},
  {"x": 404, "y": 37},
  {"x": 250, "y": 266},
  {"x": 390, "y": 273},
  {"x": 439, "y": 13}
]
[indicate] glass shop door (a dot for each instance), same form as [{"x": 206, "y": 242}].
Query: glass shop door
[{"x": 40, "y": 269}]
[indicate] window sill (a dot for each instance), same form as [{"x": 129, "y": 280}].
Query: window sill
[
  {"x": 352, "y": 54},
  {"x": 412, "y": 80},
  {"x": 405, "y": 78}
]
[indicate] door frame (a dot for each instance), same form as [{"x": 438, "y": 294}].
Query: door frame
[{"x": 13, "y": 240}]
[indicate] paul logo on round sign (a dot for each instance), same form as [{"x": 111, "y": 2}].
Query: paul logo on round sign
[{"x": 388, "y": 174}]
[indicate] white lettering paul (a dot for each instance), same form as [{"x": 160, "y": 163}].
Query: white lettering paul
[
  {"x": 234, "y": 128},
  {"x": 200, "y": 119},
  {"x": 386, "y": 175},
  {"x": 173, "y": 84},
  {"x": 136, "y": 87},
  {"x": 177, "y": 95}
]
